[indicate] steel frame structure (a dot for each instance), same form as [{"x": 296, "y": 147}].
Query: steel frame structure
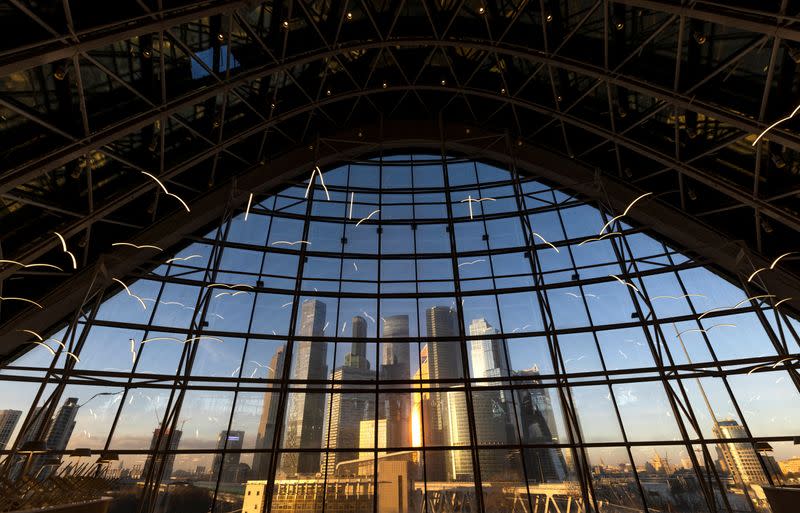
[
  {"x": 669, "y": 372},
  {"x": 487, "y": 75}
]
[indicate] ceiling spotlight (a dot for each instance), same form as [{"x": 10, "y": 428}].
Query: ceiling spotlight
[
  {"x": 620, "y": 25},
  {"x": 444, "y": 82},
  {"x": 328, "y": 92},
  {"x": 349, "y": 16},
  {"x": 272, "y": 106},
  {"x": 481, "y": 10},
  {"x": 700, "y": 38},
  {"x": 221, "y": 36},
  {"x": 519, "y": 142},
  {"x": 502, "y": 90},
  {"x": 627, "y": 171},
  {"x": 60, "y": 73},
  {"x": 285, "y": 24},
  {"x": 766, "y": 226},
  {"x": 559, "y": 98},
  {"x": 385, "y": 85},
  {"x": 147, "y": 53},
  {"x": 692, "y": 194},
  {"x": 549, "y": 18},
  {"x": 360, "y": 133}
]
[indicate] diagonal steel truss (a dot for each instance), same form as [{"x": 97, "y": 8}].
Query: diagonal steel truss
[{"x": 328, "y": 69}]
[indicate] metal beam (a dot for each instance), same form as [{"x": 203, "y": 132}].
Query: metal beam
[
  {"x": 21, "y": 59},
  {"x": 671, "y": 224},
  {"x": 25, "y": 173},
  {"x": 760, "y": 22},
  {"x": 721, "y": 185}
]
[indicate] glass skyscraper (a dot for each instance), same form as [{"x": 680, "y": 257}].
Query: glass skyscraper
[
  {"x": 429, "y": 353},
  {"x": 305, "y": 414}
]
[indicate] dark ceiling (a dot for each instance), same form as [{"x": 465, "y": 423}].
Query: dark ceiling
[{"x": 666, "y": 96}]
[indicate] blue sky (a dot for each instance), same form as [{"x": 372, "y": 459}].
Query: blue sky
[{"x": 411, "y": 243}]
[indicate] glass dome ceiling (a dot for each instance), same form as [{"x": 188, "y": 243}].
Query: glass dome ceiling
[{"x": 408, "y": 332}]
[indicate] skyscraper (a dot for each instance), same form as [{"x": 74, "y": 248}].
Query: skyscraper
[
  {"x": 347, "y": 410},
  {"x": 444, "y": 362},
  {"x": 32, "y": 432},
  {"x": 357, "y": 357},
  {"x": 59, "y": 433},
  {"x": 156, "y": 458},
  {"x": 305, "y": 412},
  {"x": 740, "y": 457},
  {"x": 8, "y": 421},
  {"x": 64, "y": 422},
  {"x": 229, "y": 441},
  {"x": 395, "y": 356},
  {"x": 445, "y": 357},
  {"x": 29, "y": 434},
  {"x": 266, "y": 424},
  {"x": 488, "y": 356},
  {"x": 396, "y": 365},
  {"x": 492, "y": 408},
  {"x": 538, "y": 426}
]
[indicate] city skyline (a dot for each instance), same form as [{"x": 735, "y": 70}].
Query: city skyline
[
  {"x": 436, "y": 371},
  {"x": 477, "y": 346}
]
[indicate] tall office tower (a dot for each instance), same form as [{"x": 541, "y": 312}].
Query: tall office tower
[
  {"x": 444, "y": 362},
  {"x": 417, "y": 419},
  {"x": 491, "y": 410},
  {"x": 58, "y": 434},
  {"x": 357, "y": 357},
  {"x": 538, "y": 425},
  {"x": 395, "y": 356},
  {"x": 64, "y": 422},
  {"x": 229, "y": 441},
  {"x": 488, "y": 356},
  {"x": 156, "y": 458},
  {"x": 39, "y": 418},
  {"x": 305, "y": 412},
  {"x": 32, "y": 432},
  {"x": 8, "y": 421},
  {"x": 458, "y": 462},
  {"x": 396, "y": 365},
  {"x": 266, "y": 424},
  {"x": 740, "y": 458},
  {"x": 347, "y": 410}
]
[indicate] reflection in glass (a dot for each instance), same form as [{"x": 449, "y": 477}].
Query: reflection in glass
[{"x": 423, "y": 360}]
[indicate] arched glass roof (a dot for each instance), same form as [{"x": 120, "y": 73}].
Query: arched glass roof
[{"x": 408, "y": 331}]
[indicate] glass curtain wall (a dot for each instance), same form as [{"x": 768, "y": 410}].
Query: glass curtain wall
[{"x": 415, "y": 333}]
